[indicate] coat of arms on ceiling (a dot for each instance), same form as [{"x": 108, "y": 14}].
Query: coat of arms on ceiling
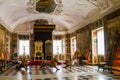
[{"x": 45, "y": 6}]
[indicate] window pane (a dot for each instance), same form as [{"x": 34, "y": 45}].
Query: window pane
[
  {"x": 24, "y": 47},
  {"x": 57, "y": 46},
  {"x": 100, "y": 39}
]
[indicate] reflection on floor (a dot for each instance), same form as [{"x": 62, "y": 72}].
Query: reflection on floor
[{"x": 74, "y": 73}]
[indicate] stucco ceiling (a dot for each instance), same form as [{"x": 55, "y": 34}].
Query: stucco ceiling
[{"x": 68, "y": 16}]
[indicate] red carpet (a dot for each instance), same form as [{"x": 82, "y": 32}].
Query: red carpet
[{"x": 38, "y": 62}]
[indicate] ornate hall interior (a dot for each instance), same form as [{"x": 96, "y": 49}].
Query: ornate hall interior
[{"x": 59, "y": 39}]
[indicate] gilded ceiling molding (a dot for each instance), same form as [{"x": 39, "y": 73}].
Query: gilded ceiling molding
[
  {"x": 58, "y": 9},
  {"x": 31, "y": 6}
]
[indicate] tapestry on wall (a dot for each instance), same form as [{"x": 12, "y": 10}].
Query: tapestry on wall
[
  {"x": 113, "y": 29},
  {"x": 83, "y": 43},
  {"x": 114, "y": 43},
  {"x": 2, "y": 41}
]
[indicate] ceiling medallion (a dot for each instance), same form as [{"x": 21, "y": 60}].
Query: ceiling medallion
[{"x": 47, "y": 6}]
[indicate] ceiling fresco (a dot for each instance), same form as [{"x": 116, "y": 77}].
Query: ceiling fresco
[
  {"x": 67, "y": 15},
  {"x": 45, "y": 6}
]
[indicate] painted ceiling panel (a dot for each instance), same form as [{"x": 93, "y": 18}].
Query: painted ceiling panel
[{"x": 65, "y": 15}]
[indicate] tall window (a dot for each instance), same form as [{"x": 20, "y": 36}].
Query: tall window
[
  {"x": 73, "y": 44},
  {"x": 24, "y": 47},
  {"x": 100, "y": 41},
  {"x": 57, "y": 46},
  {"x": 98, "y": 45}
]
